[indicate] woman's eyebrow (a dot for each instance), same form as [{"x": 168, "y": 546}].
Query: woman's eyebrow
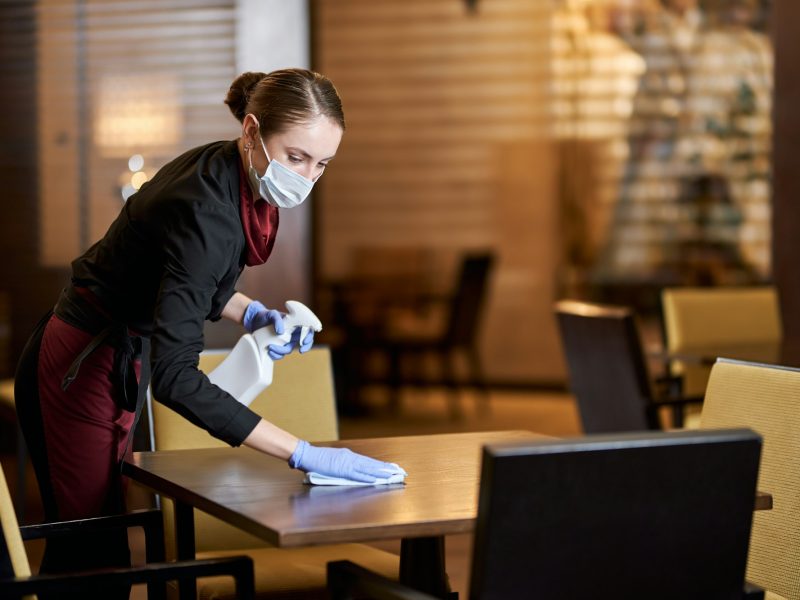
[{"x": 306, "y": 154}]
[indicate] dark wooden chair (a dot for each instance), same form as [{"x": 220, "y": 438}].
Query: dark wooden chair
[
  {"x": 608, "y": 371},
  {"x": 16, "y": 580},
  {"x": 463, "y": 311},
  {"x": 626, "y": 516}
]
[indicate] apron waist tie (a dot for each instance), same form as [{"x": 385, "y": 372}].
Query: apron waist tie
[{"x": 130, "y": 392}]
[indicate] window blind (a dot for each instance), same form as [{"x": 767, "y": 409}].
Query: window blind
[{"x": 123, "y": 87}]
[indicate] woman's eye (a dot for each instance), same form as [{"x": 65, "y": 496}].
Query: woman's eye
[{"x": 295, "y": 159}]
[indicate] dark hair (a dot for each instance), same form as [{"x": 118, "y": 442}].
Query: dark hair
[{"x": 283, "y": 98}]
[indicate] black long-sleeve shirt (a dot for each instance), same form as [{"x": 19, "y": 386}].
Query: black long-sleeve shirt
[{"x": 170, "y": 261}]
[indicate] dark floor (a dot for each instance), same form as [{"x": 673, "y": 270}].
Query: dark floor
[{"x": 421, "y": 412}]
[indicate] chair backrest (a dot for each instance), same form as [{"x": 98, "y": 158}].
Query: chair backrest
[
  {"x": 13, "y": 559},
  {"x": 607, "y": 370},
  {"x": 300, "y": 400},
  {"x": 636, "y": 515},
  {"x": 469, "y": 298},
  {"x": 713, "y": 318},
  {"x": 766, "y": 399}
]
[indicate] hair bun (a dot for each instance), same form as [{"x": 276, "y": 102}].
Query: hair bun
[{"x": 239, "y": 93}]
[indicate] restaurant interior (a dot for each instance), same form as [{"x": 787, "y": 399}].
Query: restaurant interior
[{"x": 584, "y": 323}]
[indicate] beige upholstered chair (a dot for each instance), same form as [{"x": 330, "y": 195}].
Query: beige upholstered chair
[
  {"x": 720, "y": 321},
  {"x": 709, "y": 318},
  {"x": 300, "y": 400},
  {"x": 8, "y": 407},
  {"x": 767, "y": 400},
  {"x": 14, "y": 548},
  {"x": 7, "y": 393}
]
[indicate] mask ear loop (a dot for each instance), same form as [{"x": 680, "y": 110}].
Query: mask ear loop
[{"x": 264, "y": 146}]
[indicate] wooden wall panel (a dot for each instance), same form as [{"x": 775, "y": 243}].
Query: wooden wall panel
[
  {"x": 30, "y": 287},
  {"x": 447, "y": 148}
]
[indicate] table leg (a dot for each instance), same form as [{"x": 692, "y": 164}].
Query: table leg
[
  {"x": 184, "y": 542},
  {"x": 422, "y": 566}
]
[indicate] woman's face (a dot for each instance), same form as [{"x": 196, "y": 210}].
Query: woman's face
[{"x": 305, "y": 148}]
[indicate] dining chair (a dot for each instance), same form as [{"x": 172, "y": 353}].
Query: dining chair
[
  {"x": 16, "y": 580},
  {"x": 8, "y": 407},
  {"x": 300, "y": 400},
  {"x": 408, "y": 339},
  {"x": 656, "y": 515},
  {"x": 608, "y": 371},
  {"x": 716, "y": 320},
  {"x": 766, "y": 398}
]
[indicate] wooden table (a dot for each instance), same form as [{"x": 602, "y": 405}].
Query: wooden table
[
  {"x": 767, "y": 353},
  {"x": 262, "y": 496}
]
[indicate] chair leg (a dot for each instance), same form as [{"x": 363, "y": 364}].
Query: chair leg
[
  {"x": 478, "y": 380},
  {"x": 677, "y": 416},
  {"x": 418, "y": 372},
  {"x": 351, "y": 367},
  {"x": 394, "y": 380},
  {"x": 448, "y": 372}
]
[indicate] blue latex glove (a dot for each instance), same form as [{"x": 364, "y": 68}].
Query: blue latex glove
[
  {"x": 256, "y": 316},
  {"x": 340, "y": 462},
  {"x": 287, "y": 348}
]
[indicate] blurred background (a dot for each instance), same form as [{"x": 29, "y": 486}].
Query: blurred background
[{"x": 591, "y": 149}]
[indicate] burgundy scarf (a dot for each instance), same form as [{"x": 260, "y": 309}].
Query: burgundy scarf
[{"x": 259, "y": 222}]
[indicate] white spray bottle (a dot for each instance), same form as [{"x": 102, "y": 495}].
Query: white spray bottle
[{"x": 247, "y": 370}]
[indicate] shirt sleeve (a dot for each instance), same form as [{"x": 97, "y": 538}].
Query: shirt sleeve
[{"x": 196, "y": 257}]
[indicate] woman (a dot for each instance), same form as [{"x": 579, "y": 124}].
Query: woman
[{"x": 169, "y": 262}]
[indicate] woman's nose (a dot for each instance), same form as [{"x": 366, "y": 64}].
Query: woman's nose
[{"x": 309, "y": 172}]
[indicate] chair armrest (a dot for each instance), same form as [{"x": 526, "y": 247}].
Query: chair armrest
[
  {"x": 682, "y": 401},
  {"x": 677, "y": 405},
  {"x": 763, "y": 500},
  {"x": 149, "y": 519},
  {"x": 239, "y": 567},
  {"x": 657, "y": 352},
  {"x": 347, "y": 580},
  {"x": 752, "y": 592},
  {"x": 672, "y": 382}
]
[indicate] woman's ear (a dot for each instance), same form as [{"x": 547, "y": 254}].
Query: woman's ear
[{"x": 250, "y": 130}]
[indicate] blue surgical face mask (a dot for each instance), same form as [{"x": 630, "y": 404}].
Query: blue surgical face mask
[{"x": 279, "y": 186}]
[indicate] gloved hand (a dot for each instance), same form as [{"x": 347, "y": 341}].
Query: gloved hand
[
  {"x": 256, "y": 316},
  {"x": 277, "y": 352},
  {"x": 340, "y": 462}
]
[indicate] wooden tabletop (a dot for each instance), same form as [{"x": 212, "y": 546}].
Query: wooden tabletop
[
  {"x": 769, "y": 353},
  {"x": 263, "y": 496}
]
